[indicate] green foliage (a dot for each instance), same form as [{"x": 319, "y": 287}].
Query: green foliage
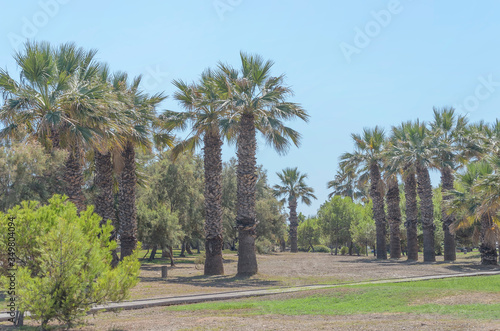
[
  {"x": 229, "y": 201},
  {"x": 263, "y": 246},
  {"x": 362, "y": 229},
  {"x": 335, "y": 218},
  {"x": 271, "y": 226},
  {"x": 28, "y": 172},
  {"x": 320, "y": 249},
  {"x": 158, "y": 226},
  {"x": 344, "y": 250},
  {"x": 308, "y": 233},
  {"x": 64, "y": 261},
  {"x": 170, "y": 206}
]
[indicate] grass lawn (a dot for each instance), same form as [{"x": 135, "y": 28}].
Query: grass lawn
[{"x": 466, "y": 297}]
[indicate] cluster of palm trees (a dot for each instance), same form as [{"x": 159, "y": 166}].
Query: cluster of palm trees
[
  {"x": 232, "y": 105},
  {"x": 68, "y": 100},
  {"x": 447, "y": 144}
]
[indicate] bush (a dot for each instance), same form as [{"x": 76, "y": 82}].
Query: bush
[
  {"x": 320, "y": 249},
  {"x": 362, "y": 249},
  {"x": 344, "y": 250},
  {"x": 263, "y": 246},
  {"x": 64, "y": 261},
  {"x": 199, "y": 262}
]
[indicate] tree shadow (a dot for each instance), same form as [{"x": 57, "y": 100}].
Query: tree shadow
[
  {"x": 230, "y": 282},
  {"x": 461, "y": 266},
  {"x": 473, "y": 267}
]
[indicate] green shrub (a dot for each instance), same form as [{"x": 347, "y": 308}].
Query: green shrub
[
  {"x": 344, "y": 250},
  {"x": 320, "y": 249},
  {"x": 199, "y": 262},
  {"x": 64, "y": 261},
  {"x": 263, "y": 246},
  {"x": 362, "y": 249}
]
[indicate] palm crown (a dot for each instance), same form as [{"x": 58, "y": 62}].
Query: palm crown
[{"x": 293, "y": 186}]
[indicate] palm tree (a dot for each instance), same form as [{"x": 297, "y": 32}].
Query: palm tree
[
  {"x": 106, "y": 147},
  {"x": 56, "y": 101},
  {"x": 393, "y": 214},
  {"x": 258, "y": 103},
  {"x": 475, "y": 201},
  {"x": 417, "y": 150},
  {"x": 396, "y": 157},
  {"x": 206, "y": 110},
  {"x": 449, "y": 130},
  {"x": 139, "y": 115},
  {"x": 293, "y": 188},
  {"x": 368, "y": 157},
  {"x": 349, "y": 183}
]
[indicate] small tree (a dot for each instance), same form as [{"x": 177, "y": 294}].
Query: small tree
[
  {"x": 64, "y": 261},
  {"x": 335, "y": 218},
  {"x": 158, "y": 227},
  {"x": 309, "y": 233},
  {"x": 363, "y": 229}
]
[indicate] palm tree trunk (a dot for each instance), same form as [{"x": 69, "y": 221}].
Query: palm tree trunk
[
  {"x": 376, "y": 193},
  {"x": 128, "y": 212},
  {"x": 411, "y": 215},
  {"x": 104, "y": 201},
  {"x": 246, "y": 180},
  {"x": 213, "y": 204},
  {"x": 449, "y": 238},
  {"x": 487, "y": 248},
  {"x": 427, "y": 212},
  {"x": 292, "y": 205},
  {"x": 54, "y": 138},
  {"x": 73, "y": 177},
  {"x": 394, "y": 216}
]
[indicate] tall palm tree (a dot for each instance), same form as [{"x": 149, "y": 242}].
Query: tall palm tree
[
  {"x": 396, "y": 157},
  {"x": 206, "y": 110},
  {"x": 56, "y": 101},
  {"x": 476, "y": 201},
  {"x": 450, "y": 131},
  {"x": 418, "y": 150},
  {"x": 393, "y": 215},
  {"x": 106, "y": 146},
  {"x": 258, "y": 102},
  {"x": 139, "y": 115},
  {"x": 368, "y": 157},
  {"x": 293, "y": 188}
]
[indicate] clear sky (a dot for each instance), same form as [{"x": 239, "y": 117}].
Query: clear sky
[{"x": 352, "y": 64}]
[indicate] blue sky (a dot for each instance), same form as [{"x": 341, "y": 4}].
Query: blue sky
[{"x": 352, "y": 64}]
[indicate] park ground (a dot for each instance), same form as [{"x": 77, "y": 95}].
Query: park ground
[{"x": 450, "y": 304}]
